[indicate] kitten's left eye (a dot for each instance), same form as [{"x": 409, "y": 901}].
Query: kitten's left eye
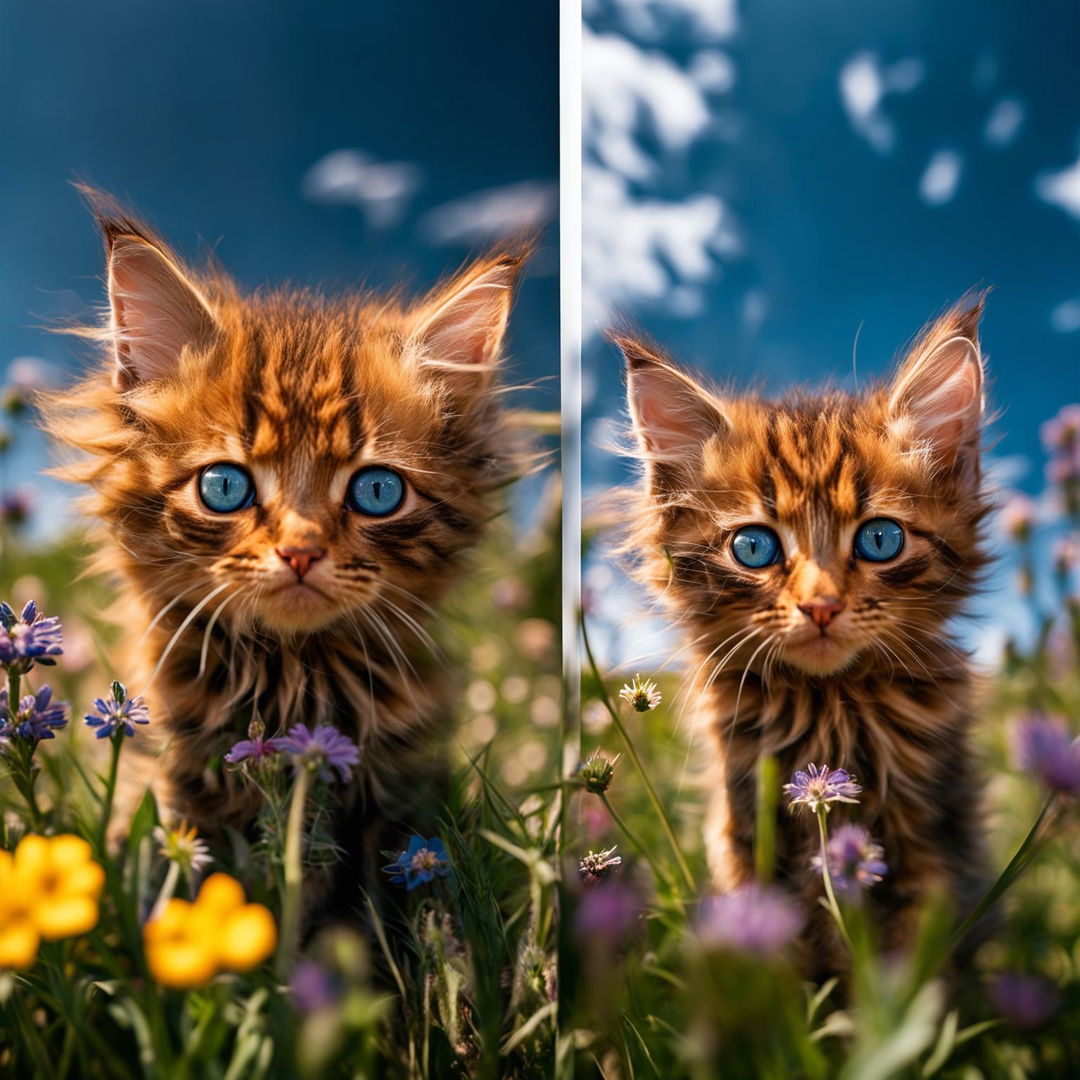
[
  {"x": 879, "y": 540},
  {"x": 375, "y": 491},
  {"x": 226, "y": 488},
  {"x": 756, "y": 546}
]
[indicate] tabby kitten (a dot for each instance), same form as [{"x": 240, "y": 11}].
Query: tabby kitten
[
  {"x": 285, "y": 485},
  {"x": 814, "y": 549}
]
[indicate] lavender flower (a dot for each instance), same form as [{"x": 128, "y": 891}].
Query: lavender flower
[
  {"x": 422, "y": 861},
  {"x": 594, "y": 865},
  {"x": 819, "y": 787},
  {"x": 313, "y": 988},
  {"x": 321, "y": 750},
  {"x": 117, "y": 713},
  {"x": 254, "y": 750},
  {"x": 855, "y": 861},
  {"x": 28, "y": 638},
  {"x": 36, "y": 717},
  {"x": 641, "y": 694},
  {"x": 1025, "y": 1001},
  {"x": 1043, "y": 746},
  {"x": 751, "y": 919},
  {"x": 607, "y": 913},
  {"x": 1062, "y": 433},
  {"x": 1017, "y": 517}
]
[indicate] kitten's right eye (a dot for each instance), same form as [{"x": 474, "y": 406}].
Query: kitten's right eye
[
  {"x": 225, "y": 488},
  {"x": 756, "y": 546}
]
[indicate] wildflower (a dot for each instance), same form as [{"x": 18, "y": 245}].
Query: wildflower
[
  {"x": 28, "y": 638},
  {"x": 321, "y": 750},
  {"x": 313, "y": 988},
  {"x": 183, "y": 846},
  {"x": 254, "y": 750},
  {"x": 855, "y": 861},
  {"x": 15, "y": 507},
  {"x": 751, "y": 919},
  {"x": 188, "y": 943},
  {"x": 49, "y": 888},
  {"x": 594, "y": 865},
  {"x": 1017, "y": 517},
  {"x": 1024, "y": 1001},
  {"x": 641, "y": 694},
  {"x": 597, "y": 772},
  {"x": 1062, "y": 432},
  {"x": 422, "y": 861},
  {"x": 1066, "y": 556},
  {"x": 36, "y": 717},
  {"x": 819, "y": 787},
  {"x": 607, "y": 913},
  {"x": 1043, "y": 746},
  {"x": 117, "y": 713}
]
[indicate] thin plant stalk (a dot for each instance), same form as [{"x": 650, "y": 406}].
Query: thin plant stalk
[
  {"x": 646, "y": 853},
  {"x": 826, "y": 877},
  {"x": 110, "y": 788},
  {"x": 680, "y": 859},
  {"x": 294, "y": 874}
]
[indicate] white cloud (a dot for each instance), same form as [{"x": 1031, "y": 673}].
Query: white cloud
[
  {"x": 704, "y": 21},
  {"x": 941, "y": 178},
  {"x": 712, "y": 70},
  {"x": 1004, "y": 123},
  {"x": 1061, "y": 188},
  {"x": 493, "y": 214},
  {"x": 1065, "y": 318},
  {"x": 381, "y": 189},
  {"x": 864, "y": 85}
]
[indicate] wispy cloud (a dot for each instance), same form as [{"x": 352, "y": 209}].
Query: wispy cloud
[
  {"x": 484, "y": 217},
  {"x": 1061, "y": 188},
  {"x": 941, "y": 178},
  {"x": 865, "y": 83},
  {"x": 705, "y": 21},
  {"x": 381, "y": 189},
  {"x": 1065, "y": 318},
  {"x": 1004, "y": 123}
]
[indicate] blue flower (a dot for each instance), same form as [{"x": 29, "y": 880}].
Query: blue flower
[
  {"x": 36, "y": 718},
  {"x": 255, "y": 750},
  {"x": 855, "y": 861},
  {"x": 322, "y": 750},
  {"x": 117, "y": 713},
  {"x": 27, "y": 638},
  {"x": 819, "y": 786},
  {"x": 1044, "y": 747},
  {"x": 751, "y": 919},
  {"x": 422, "y": 861}
]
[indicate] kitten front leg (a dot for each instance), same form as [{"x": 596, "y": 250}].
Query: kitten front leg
[{"x": 729, "y": 840}]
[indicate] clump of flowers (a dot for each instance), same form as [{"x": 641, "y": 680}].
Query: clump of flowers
[
  {"x": 37, "y": 716},
  {"x": 49, "y": 889},
  {"x": 818, "y": 787},
  {"x": 751, "y": 919},
  {"x": 28, "y": 638},
  {"x": 1044, "y": 747},
  {"x": 597, "y": 771},
  {"x": 595, "y": 865},
  {"x": 321, "y": 751},
  {"x": 421, "y": 862},
  {"x": 641, "y": 695},
  {"x": 855, "y": 861},
  {"x": 188, "y": 943},
  {"x": 117, "y": 714}
]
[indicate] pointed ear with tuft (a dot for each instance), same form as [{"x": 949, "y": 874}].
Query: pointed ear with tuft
[
  {"x": 936, "y": 398},
  {"x": 673, "y": 415},
  {"x": 156, "y": 310},
  {"x": 459, "y": 330}
]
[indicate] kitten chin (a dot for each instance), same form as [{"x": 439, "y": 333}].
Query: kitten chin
[{"x": 814, "y": 550}]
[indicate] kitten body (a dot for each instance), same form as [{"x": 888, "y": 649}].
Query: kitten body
[
  {"x": 297, "y": 606},
  {"x": 823, "y": 656}
]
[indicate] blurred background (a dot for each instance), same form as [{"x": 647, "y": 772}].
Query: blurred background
[
  {"x": 782, "y": 192},
  {"x": 330, "y": 144}
]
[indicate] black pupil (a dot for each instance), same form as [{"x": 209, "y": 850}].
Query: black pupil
[
  {"x": 376, "y": 488},
  {"x": 879, "y": 538},
  {"x": 753, "y": 545},
  {"x": 225, "y": 483}
]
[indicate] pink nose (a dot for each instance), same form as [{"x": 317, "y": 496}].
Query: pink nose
[
  {"x": 300, "y": 559},
  {"x": 822, "y": 610}
]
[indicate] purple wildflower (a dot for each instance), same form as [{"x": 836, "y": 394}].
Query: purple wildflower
[
  {"x": 751, "y": 919},
  {"x": 422, "y": 861},
  {"x": 1044, "y": 747},
  {"x": 818, "y": 787},
  {"x": 36, "y": 718},
  {"x": 117, "y": 713},
  {"x": 855, "y": 861},
  {"x": 1063, "y": 431},
  {"x": 321, "y": 750},
  {"x": 27, "y": 638},
  {"x": 1025, "y": 1001},
  {"x": 1017, "y": 517},
  {"x": 254, "y": 750},
  {"x": 313, "y": 988},
  {"x": 607, "y": 913}
]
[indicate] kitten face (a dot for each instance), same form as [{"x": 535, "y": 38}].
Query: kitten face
[
  {"x": 288, "y": 461},
  {"x": 809, "y": 533}
]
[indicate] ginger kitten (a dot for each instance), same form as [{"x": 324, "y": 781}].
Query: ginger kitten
[
  {"x": 285, "y": 484},
  {"x": 813, "y": 550}
]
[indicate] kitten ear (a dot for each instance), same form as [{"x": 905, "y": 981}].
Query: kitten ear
[
  {"x": 459, "y": 331},
  {"x": 673, "y": 416},
  {"x": 156, "y": 310},
  {"x": 937, "y": 394}
]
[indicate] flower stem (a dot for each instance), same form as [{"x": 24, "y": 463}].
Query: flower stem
[
  {"x": 294, "y": 874},
  {"x": 1016, "y": 866},
  {"x": 659, "y": 871},
  {"x": 110, "y": 789},
  {"x": 168, "y": 887},
  {"x": 680, "y": 859},
  {"x": 826, "y": 877}
]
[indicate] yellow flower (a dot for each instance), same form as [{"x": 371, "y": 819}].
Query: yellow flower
[
  {"x": 189, "y": 943},
  {"x": 49, "y": 889}
]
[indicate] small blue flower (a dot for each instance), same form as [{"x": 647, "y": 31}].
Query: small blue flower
[
  {"x": 322, "y": 750},
  {"x": 36, "y": 717},
  {"x": 422, "y": 861},
  {"x": 117, "y": 713},
  {"x": 820, "y": 786},
  {"x": 28, "y": 638},
  {"x": 855, "y": 861}
]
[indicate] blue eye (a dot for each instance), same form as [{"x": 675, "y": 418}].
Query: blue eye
[
  {"x": 376, "y": 491},
  {"x": 756, "y": 546},
  {"x": 879, "y": 540},
  {"x": 225, "y": 488}
]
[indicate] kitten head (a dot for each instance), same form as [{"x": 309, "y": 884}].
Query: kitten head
[
  {"x": 302, "y": 460},
  {"x": 812, "y": 531}
]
